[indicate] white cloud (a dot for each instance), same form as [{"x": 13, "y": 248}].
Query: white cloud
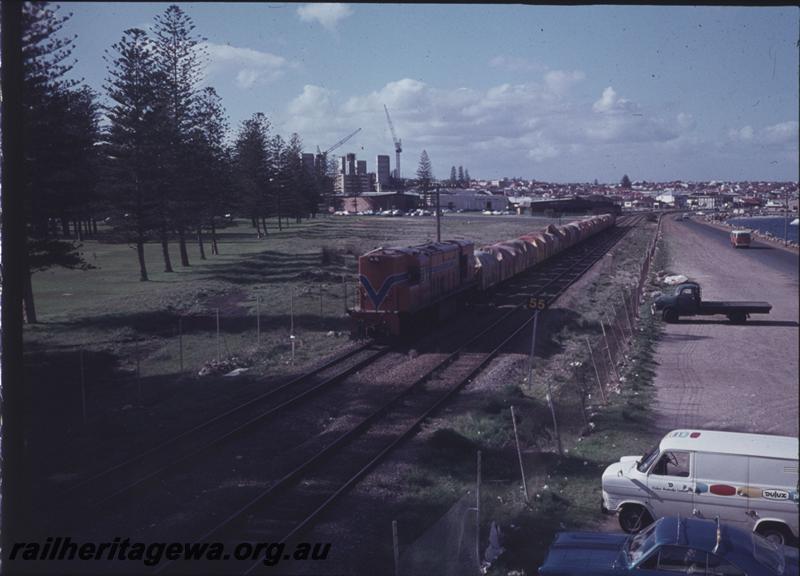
[
  {"x": 685, "y": 121},
  {"x": 313, "y": 102},
  {"x": 515, "y": 64},
  {"x": 328, "y": 15},
  {"x": 610, "y": 103},
  {"x": 538, "y": 122},
  {"x": 251, "y": 67},
  {"x": 783, "y": 133},
  {"x": 741, "y": 134},
  {"x": 542, "y": 151},
  {"x": 560, "y": 82}
]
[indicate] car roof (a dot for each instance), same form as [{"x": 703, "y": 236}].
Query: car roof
[
  {"x": 694, "y": 532},
  {"x": 701, "y": 533},
  {"x": 764, "y": 445}
]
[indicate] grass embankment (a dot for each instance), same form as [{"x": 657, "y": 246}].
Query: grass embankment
[{"x": 564, "y": 490}]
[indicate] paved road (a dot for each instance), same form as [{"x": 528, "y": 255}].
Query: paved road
[
  {"x": 716, "y": 375},
  {"x": 781, "y": 260}
]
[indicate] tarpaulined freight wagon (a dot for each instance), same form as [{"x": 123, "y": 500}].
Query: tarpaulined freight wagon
[{"x": 403, "y": 291}]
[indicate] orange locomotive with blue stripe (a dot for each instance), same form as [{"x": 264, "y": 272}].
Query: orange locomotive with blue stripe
[{"x": 403, "y": 290}]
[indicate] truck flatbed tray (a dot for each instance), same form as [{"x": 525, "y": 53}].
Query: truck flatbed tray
[{"x": 725, "y": 306}]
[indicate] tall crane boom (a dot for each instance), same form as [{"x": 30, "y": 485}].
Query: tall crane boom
[
  {"x": 398, "y": 145},
  {"x": 342, "y": 141}
]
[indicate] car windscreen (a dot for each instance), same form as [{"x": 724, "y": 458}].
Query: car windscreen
[{"x": 640, "y": 544}]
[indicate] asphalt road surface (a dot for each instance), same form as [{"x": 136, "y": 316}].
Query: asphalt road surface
[
  {"x": 781, "y": 260},
  {"x": 716, "y": 375}
]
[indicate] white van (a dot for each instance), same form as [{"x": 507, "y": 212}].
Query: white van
[{"x": 750, "y": 480}]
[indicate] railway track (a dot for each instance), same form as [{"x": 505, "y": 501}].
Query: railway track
[
  {"x": 366, "y": 442},
  {"x": 289, "y": 506},
  {"x": 124, "y": 478}
]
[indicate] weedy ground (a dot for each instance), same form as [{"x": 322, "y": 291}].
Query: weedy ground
[{"x": 564, "y": 489}]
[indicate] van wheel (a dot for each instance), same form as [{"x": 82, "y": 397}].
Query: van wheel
[
  {"x": 632, "y": 518},
  {"x": 670, "y": 315},
  {"x": 776, "y": 533}
]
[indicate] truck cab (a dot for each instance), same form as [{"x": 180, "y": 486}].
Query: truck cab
[{"x": 684, "y": 301}]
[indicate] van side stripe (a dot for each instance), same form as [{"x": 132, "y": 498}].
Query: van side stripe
[
  {"x": 378, "y": 297},
  {"x": 646, "y": 489}
]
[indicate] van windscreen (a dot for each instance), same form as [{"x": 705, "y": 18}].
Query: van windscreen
[{"x": 647, "y": 460}]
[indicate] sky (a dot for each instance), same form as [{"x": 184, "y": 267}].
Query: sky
[{"x": 553, "y": 93}]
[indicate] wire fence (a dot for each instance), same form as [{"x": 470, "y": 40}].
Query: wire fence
[
  {"x": 87, "y": 380},
  {"x": 594, "y": 374}
]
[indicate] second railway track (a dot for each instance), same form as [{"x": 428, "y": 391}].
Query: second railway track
[
  {"x": 110, "y": 484},
  {"x": 290, "y": 505},
  {"x": 327, "y": 468}
]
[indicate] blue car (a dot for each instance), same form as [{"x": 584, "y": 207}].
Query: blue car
[{"x": 670, "y": 546}]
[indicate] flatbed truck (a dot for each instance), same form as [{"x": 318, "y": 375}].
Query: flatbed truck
[{"x": 686, "y": 300}]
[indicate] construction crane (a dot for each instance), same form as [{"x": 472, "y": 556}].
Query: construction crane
[
  {"x": 398, "y": 145},
  {"x": 342, "y": 141},
  {"x": 322, "y": 157}
]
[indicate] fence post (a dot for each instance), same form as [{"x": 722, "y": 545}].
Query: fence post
[
  {"x": 617, "y": 330},
  {"x": 396, "y": 548},
  {"x": 83, "y": 391},
  {"x": 627, "y": 314},
  {"x": 217, "y": 335},
  {"x": 180, "y": 340},
  {"x": 291, "y": 312},
  {"x": 344, "y": 291},
  {"x": 610, "y": 358},
  {"x": 596, "y": 373},
  {"x": 478, "y": 515},
  {"x": 533, "y": 347},
  {"x": 519, "y": 456}
]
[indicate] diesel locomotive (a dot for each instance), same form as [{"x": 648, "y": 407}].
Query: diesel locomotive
[{"x": 402, "y": 291}]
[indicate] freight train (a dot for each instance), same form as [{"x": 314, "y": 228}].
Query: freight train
[{"x": 406, "y": 290}]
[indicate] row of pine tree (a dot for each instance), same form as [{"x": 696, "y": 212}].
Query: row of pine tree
[{"x": 151, "y": 156}]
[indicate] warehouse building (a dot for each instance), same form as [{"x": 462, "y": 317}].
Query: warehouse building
[{"x": 595, "y": 204}]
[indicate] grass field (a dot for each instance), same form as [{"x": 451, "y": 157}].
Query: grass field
[
  {"x": 138, "y": 346},
  {"x": 86, "y": 308}
]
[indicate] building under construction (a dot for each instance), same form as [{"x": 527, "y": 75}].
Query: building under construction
[{"x": 352, "y": 177}]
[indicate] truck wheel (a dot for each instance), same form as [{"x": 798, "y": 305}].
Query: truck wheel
[
  {"x": 632, "y": 518},
  {"x": 670, "y": 315},
  {"x": 776, "y": 533}
]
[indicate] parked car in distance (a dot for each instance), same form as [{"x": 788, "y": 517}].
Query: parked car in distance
[
  {"x": 672, "y": 545},
  {"x": 746, "y": 479}
]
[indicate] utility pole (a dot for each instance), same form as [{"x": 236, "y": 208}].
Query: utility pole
[
  {"x": 786, "y": 221},
  {"x": 438, "y": 218}
]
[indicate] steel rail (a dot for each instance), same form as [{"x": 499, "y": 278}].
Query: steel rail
[
  {"x": 195, "y": 430},
  {"x": 583, "y": 262}
]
